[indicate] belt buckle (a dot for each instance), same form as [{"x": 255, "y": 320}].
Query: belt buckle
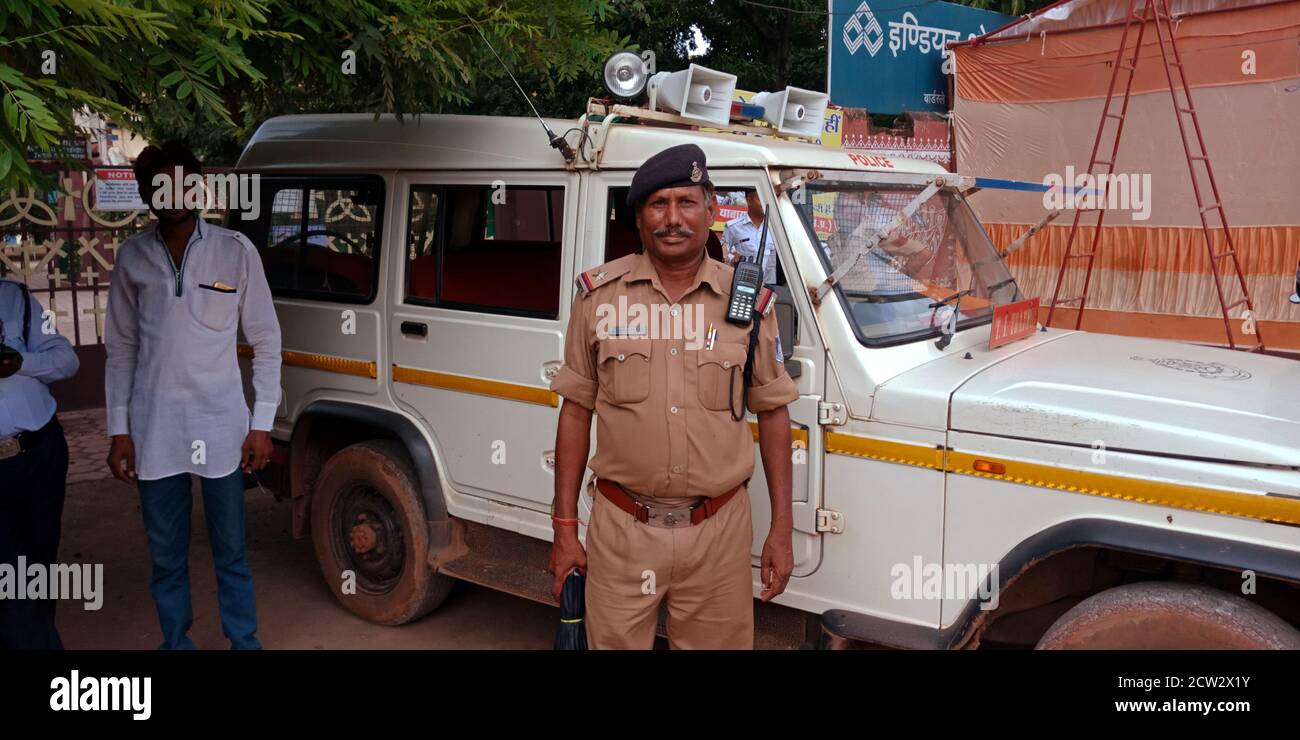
[
  {"x": 667, "y": 517},
  {"x": 9, "y": 447},
  {"x": 675, "y": 517}
]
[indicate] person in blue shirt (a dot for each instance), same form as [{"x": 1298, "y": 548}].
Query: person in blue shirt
[
  {"x": 741, "y": 235},
  {"x": 33, "y": 458}
]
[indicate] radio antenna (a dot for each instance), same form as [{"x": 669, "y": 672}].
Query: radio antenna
[{"x": 556, "y": 141}]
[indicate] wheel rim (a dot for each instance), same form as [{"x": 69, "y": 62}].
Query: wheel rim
[{"x": 368, "y": 538}]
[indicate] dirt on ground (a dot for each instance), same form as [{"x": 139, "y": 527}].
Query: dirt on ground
[{"x": 102, "y": 524}]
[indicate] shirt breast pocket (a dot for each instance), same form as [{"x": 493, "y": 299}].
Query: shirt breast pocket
[
  {"x": 623, "y": 369},
  {"x": 215, "y": 308},
  {"x": 720, "y": 378}
]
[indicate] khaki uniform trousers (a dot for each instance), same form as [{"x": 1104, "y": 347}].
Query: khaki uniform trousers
[{"x": 702, "y": 570}]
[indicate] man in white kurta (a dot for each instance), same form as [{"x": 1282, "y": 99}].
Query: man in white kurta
[{"x": 181, "y": 290}]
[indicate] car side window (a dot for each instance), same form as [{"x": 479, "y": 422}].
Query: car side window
[
  {"x": 732, "y": 205},
  {"x": 488, "y": 249},
  {"x": 318, "y": 237}
]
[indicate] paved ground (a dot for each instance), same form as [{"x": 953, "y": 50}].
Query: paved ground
[
  {"x": 87, "y": 444},
  {"x": 102, "y": 524}
]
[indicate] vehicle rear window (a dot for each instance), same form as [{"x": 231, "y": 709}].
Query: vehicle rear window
[{"x": 318, "y": 237}]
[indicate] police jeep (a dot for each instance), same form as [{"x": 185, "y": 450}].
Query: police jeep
[{"x": 952, "y": 488}]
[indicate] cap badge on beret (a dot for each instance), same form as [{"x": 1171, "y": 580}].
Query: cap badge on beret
[{"x": 678, "y": 166}]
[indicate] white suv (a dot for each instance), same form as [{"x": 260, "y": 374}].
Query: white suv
[{"x": 1066, "y": 489}]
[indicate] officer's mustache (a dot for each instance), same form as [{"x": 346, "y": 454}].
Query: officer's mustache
[{"x": 677, "y": 231}]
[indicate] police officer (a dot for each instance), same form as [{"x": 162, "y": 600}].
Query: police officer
[
  {"x": 671, "y": 511},
  {"x": 33, "y": 457},
  {"x": 741, "y": 234}
]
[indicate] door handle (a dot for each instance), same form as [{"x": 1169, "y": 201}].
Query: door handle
[{"x": 415, "y": 328}]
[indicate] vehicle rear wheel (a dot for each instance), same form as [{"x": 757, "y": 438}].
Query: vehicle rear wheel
[
  {"x": 371, "y": 535},
  {"x": 1168, "y": 616}
]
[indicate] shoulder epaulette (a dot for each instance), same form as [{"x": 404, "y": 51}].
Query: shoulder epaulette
[
  {"x": 598, "y": 276},
  {"x": 766, "y": 299},
  {"x": 736, "y": 220},
  {"x": 242, "y": 238}
]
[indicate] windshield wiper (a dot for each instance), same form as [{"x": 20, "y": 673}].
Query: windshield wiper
[
  {"x": 954, "y": 297},
  {"x": 1000, "y": 284},
  {"x": 949, "y": 327}
]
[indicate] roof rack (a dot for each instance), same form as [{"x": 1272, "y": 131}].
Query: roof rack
[{"x": 603, "y": 113}]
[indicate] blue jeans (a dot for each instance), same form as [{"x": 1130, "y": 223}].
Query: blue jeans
[{"x": 166, "y": 504}]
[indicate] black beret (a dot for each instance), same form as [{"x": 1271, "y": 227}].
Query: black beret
[{"x": 675, "y": 167}]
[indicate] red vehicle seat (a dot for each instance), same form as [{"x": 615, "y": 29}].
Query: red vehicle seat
[{"x": 523, "y": 275}]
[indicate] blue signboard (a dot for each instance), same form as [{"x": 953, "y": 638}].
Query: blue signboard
[{"x": 889, "y": 56}]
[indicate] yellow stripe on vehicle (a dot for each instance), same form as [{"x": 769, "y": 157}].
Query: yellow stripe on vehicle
[
  {"x": 904, "y": 453},
  {"x": 1158, "y": 493},
  {"x": 479, "y": 386},
  {"x": 1123, "y": 488},
  {"x": 797, "y": 434},
  {"x": 328, "y": 363}
]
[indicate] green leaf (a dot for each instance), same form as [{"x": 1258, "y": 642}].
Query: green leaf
[
  {"x": 22, "y": 11},
  {"x": 171, "y": 79},
  {"x": 184, "y": 90},
  {"x": 11, "y": 76}
]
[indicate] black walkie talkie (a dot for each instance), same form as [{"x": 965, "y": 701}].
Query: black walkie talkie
[
  {"x": 745, "y": 284},
  {"x": 746, "y": 281},
  {"x": 744, "y": 291}
]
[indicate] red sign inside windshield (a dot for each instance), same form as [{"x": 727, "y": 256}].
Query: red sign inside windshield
[{"x": 1012, "y": 321}]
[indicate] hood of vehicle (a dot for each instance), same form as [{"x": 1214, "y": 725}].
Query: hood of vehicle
[{"x": 1140, "y": 395}]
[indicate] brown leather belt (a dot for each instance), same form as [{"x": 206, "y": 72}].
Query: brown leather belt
[{"x": 664, "y": 516}]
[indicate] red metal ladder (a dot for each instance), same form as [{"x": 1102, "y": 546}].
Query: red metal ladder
[{"x": 1157, "y": 13}]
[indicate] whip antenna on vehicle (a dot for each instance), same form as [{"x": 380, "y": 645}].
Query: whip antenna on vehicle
[{"x": 565, "y": 150}]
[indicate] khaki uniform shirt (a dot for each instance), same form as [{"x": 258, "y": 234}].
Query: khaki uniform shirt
[{"x": 661, "y": 395}]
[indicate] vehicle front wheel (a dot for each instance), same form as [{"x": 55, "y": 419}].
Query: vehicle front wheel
[
  {"x": 1168, "y": 616},
  {"x": 371, "y": 535}
]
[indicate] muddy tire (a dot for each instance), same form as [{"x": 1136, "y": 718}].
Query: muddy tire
[
  {"x": 1168, "y": 616},
  {"x": 367, "y": 520}
]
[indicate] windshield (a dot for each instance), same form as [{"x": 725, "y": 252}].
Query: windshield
[{"x": 939, "y": 251}]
